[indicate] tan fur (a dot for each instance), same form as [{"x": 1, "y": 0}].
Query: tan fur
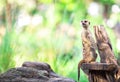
[{"x": 89, "y": 54}]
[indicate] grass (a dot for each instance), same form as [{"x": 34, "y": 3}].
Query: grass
[
  {"x": 6, "y": 53},
  {"x": 17, "y": 48}
]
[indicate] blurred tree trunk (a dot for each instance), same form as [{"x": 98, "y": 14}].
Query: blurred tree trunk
[
  {"x": 106, "y": 11},
  {"x": 8, "y": 16}
]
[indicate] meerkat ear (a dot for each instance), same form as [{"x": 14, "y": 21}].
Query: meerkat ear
[{"x": 81, "y": 21}]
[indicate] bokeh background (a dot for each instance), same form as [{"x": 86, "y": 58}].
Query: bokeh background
[{"x": 50, "y": 31}]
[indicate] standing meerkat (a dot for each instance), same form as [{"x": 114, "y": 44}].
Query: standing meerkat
[{"x": 89, "y": 45}]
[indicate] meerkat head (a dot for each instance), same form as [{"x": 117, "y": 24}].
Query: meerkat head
[{"x": 85, "y": 23}]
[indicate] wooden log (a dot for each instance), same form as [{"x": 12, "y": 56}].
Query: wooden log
[
  {"x": 99, "y": 66},
  {"x": 100, "y": 72}
]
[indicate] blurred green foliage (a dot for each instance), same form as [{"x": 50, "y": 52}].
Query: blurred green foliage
[
  {"x": 6, "y": 53},
  {"x": 48, "y": 31}
]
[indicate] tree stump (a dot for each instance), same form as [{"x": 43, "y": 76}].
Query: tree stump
[{"x": 100, "y": 72}]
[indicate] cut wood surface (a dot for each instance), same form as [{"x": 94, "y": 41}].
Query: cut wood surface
[{"x": 99, "y": 66}]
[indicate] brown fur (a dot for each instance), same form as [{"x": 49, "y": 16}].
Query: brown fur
[{"x": 89, "y": 54}]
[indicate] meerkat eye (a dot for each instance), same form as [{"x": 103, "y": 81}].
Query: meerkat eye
[{"x": 85, "y": 21}]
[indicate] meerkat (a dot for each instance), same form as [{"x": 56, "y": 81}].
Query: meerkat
[
  {"x": 105, "y": 48},
  {"x": 88, "y": 42}
]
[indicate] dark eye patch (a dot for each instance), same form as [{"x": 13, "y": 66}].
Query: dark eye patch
[{"x": 85, "y": 21}]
